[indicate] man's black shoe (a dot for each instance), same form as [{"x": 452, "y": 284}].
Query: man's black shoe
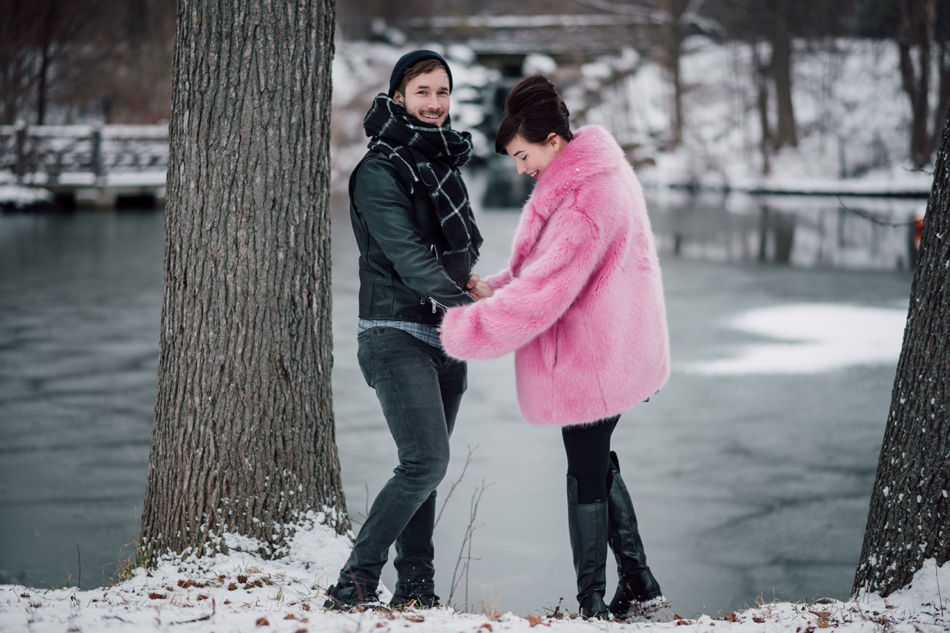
[
  {"x": 427, "y": 601},
  {"x": 345, "y": 597}
]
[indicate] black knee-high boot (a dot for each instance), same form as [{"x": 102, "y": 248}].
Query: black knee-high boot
[
  {"x": 638, "y": 592},
  {"x": 587, "y": 525}
]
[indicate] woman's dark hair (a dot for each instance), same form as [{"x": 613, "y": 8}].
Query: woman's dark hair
[{"x": 533, "y": 109}]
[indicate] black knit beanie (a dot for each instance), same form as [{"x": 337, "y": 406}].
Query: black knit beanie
[{"x": 409, "y": 60}]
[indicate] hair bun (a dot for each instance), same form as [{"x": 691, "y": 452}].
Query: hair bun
[{"x": 533, "y": 110}]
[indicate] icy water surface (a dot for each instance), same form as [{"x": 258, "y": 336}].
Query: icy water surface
[{"x": 744, "y": 484}]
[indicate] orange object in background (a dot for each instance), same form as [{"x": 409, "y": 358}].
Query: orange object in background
[{"x": 919, "y": 225}]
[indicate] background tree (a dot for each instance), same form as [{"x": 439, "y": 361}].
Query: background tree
[
  {"x": 921, "y": 29},
  {"x": 909, "y": 516},
  {"x": 915, "y": 39},
  {"x": 775, "y": 27},
  {"x": 243, "y": 439}
]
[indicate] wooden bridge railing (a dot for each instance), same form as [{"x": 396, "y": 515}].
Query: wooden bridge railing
[{"x": 42, "y": 154}]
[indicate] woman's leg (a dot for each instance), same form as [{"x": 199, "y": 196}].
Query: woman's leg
[
  {"x": 638, "y": 592},
  {"x": 588, "y": 455}
]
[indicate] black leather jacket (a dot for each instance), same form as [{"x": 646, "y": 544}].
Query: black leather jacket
[{"x": 401, "y": 246}]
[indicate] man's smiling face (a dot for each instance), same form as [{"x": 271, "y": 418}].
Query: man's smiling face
[{"x": 427, "y": 97}]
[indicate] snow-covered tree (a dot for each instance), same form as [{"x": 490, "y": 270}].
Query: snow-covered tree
[
  {"x": 243, "y": 439},
  {"x": 909, "y": 517}
]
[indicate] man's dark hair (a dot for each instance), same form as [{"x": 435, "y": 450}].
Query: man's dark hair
[
  {"x": 533, "y": 110},
  {"x": 421, "y": 68}
]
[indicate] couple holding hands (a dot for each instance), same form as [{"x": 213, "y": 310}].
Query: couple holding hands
[{"x": 581, "y": 305}]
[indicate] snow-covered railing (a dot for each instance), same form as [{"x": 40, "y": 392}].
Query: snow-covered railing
[{"x": 49, "y": 151}]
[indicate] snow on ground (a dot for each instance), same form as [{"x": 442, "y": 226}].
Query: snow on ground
[
  {"x": 20, "y": 197},
  {"x": 813, "y": 338},
  {"x": 241, "y": 592}
]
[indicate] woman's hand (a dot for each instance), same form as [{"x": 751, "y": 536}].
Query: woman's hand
[{"x": 477, "y": 288}]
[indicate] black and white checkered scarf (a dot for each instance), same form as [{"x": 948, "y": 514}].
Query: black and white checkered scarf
[{"x": 432, "y": 155}]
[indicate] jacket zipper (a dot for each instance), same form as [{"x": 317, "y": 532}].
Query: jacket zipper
[{"x": 436, "y": 304}]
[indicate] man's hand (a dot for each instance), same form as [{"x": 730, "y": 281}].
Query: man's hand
[{"x": 478, "y": 289}]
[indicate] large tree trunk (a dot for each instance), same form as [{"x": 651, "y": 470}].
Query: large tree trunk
[
  {"x": 243, "y": 439},
  {"x": 909, "y": 517},
  {"x": 915, "y": 34},
  {"x": 785, "y": 133}
]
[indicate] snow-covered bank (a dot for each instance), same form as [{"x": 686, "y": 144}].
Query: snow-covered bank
[
  {"x": 241, "y": 592},
  {"x": 852, "y": 116},
  {"x": 14, "y": 196}
]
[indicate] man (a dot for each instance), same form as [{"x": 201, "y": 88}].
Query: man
[{"x": 418, "y": 242}]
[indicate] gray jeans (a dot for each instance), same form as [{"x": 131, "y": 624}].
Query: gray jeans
[{"x": 420, "y": 390}]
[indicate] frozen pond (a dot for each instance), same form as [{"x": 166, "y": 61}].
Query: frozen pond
[{"x": 748, "y": 478}]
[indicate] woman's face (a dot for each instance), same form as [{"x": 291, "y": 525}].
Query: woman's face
[{"x": 534, "y": 158}]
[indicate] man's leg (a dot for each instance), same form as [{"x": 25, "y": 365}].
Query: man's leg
[
  {"x": 414, "y": 549},
  {"x": 405, "y": 374}
]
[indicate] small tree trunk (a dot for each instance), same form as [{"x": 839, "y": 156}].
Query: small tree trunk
[
  {"x": 762, "y": 101},
  {"x": 915, "y": 33},
  {"x": 42, "y": 79},
  {"x": 243, "y": 439},
  {"x": 786, "y": 133},
  {"x": 909, "y": 516},
  {"x": 673, "y": 44},
  {"x": 43, "y": 76}
]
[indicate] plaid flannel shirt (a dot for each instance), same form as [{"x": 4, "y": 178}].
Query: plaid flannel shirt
[{"x": 426, "y": 333}]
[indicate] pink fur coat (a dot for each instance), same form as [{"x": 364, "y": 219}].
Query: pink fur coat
[{"x": 581, "y": 303}]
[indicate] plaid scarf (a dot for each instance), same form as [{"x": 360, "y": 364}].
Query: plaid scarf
[{"x": 432, "y": 155}]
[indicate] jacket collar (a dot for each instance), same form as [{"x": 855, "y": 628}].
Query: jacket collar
[{"x": 592, "y": 152}]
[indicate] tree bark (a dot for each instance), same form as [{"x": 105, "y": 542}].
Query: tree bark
[
  {"x": 244, "y": 438},
  {"x": 915, "y": 34},
  {"x": 786, "y": 133},
  {"x": 909, "y": 516}
]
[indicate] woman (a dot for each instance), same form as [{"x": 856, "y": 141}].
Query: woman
[{"x": 581, "y": 305}]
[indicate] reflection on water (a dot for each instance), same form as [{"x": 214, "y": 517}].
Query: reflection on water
[
  {"x": 801, "y": 231},
  {"x": 796, "y": 230}
]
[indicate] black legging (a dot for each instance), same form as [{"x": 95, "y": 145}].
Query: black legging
[{"x": 588, "y": 457}]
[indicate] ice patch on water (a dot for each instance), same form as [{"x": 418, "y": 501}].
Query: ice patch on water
[{"x": 813, "y": 338}]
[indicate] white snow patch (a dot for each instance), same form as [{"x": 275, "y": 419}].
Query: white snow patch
[
  {"x": 537, "y": 63},
  {"x": 20, "y": 197},
  {"x": 195, "y": 595},
  {"x": 816, "y": 338}
]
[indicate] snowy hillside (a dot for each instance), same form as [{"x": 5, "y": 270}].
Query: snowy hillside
[{"x": 853, "y": 118}]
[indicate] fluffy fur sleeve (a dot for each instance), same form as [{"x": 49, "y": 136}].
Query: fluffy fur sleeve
[
  {"x": 546, "y": 286},
  {"x": 499, "y": 280}
]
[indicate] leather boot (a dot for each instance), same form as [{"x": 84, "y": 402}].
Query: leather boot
[
  {"x": 638, "y": 592},
  {"x": 415, "y": 571},
  {"x": 587, "y": 525}
]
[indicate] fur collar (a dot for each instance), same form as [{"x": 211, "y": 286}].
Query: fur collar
[{"x": 592, "y": 152}]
